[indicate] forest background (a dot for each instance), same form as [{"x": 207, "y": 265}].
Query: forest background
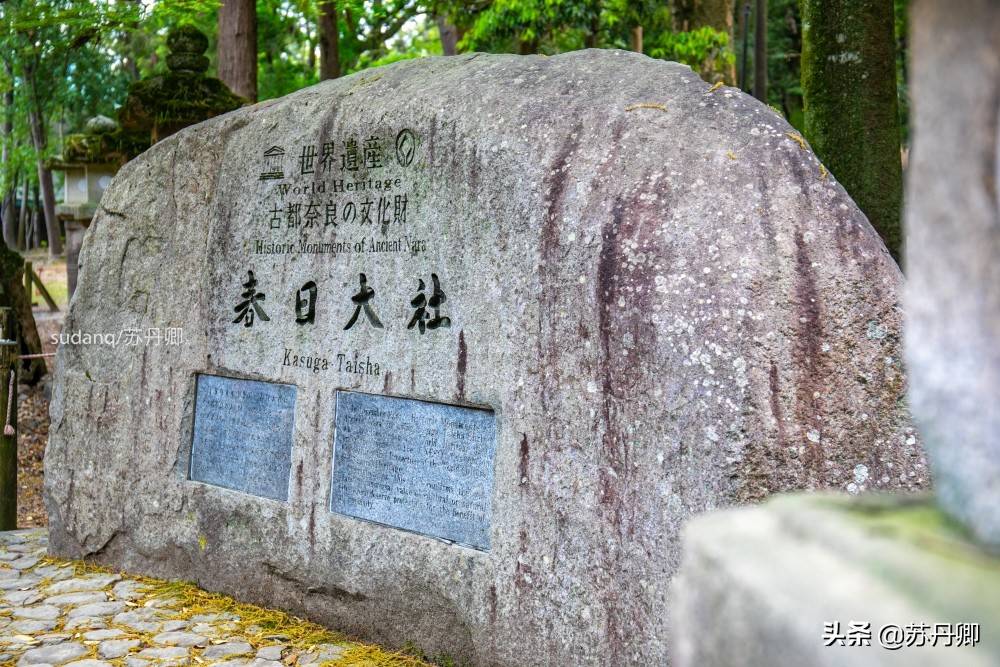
[{"x": 835, "y": 70}]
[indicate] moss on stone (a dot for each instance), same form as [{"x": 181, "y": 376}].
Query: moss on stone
[
  {"x": 115, "y": 147},
  {"x": 916, "y": 519},
  {"x": 187, "y": 45},
  {"x": 176, "y": 99},
  {"x": 923, "y": 552}
]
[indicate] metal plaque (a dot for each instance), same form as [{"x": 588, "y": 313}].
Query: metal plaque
[
  {"x": 419, "y": 466},
  {"x": 243, "y": 435}
]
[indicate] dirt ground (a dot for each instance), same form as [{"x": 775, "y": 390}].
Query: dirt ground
[
  {"x": 33, "y": 422},
  {"x": 33, "y": 402}
]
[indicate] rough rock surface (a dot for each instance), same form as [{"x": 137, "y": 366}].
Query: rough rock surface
[
  {"x": 953, "y": 254},
  {"x": 667, "y": 302}
]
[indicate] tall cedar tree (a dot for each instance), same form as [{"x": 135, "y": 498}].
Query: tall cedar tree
[
  {"x": 760, "y": 52},
  {"x": 7, "y": 198},
  {"x": 237, "y": 48},
  {"x": 851, "y": 108},
  {"x": 329, "y": 40}
]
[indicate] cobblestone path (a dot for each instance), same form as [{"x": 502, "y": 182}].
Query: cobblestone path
[{"x": 67, "y": 614}]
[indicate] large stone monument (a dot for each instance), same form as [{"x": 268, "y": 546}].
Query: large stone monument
[
  {"x": 895, "y": 579},
  {"x": 465, "y": 342}
]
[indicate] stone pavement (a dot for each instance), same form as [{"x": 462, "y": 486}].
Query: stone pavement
[{"x": 69, "y": 614}]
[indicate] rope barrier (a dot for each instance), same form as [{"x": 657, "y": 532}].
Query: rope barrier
[{"x": 8, "y": 430}]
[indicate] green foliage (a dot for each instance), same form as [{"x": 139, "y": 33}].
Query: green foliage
[
  {"x": 369, "y": 28},
  {"x": 286, "y": 31},
  {"x": 76, "y": 59},
  {"x": 418, "y": 39},
  {"x": 553, "y": 26},
  {"x": 181, "y": 12},
  {"x": 621, "y": 16},
  {"x": 784, "y": 46},
  {"x": 371, "y": 34},
  {"x": 57, "y": 64},
  {"x": 705, "y": 50},
  {"x": 530, "y": 25}
]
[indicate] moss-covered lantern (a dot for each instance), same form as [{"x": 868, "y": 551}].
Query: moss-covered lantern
[
  {"x": 88, "y": 168},
  {"x": 184, "y": 95}
]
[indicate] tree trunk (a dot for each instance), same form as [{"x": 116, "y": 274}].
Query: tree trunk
[
  {"x": 41, "y": 228},
  {"x": 22, "y": 217},
  {"x": 851, "y": 109},
  {"x": 12, "y": 294},
  {"x": 33, "y": 229},
  {"x": 9, "y": 214},
  {"x": 36, "y": 121},
  {"x": 744, "y": 81},
  {"x": 36, "y": 218},
  {"x": 33, "y": 225},
  {"x": 311, "y": 57},
  {"x": 449, "y": 36},
  {"x": 237, "y": 47},
  {"x": 760, "y": 53},
  {"x": 52, "y": 232},
  {"x": 329, "y": 40},
  {"x": 716, "y": 14},
  {"x": 132, "y": 67},
  {"x": 7, "y": 206}
]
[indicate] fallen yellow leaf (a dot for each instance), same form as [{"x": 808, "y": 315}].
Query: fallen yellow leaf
[{"x": 646, "y": 105}]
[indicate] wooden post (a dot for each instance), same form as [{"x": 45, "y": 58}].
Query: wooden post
[
  {"x": 43, "y": 291},
  {"x": 637, "y": 39},
  {"x": 8, "y": 411},
  {"x": 27, "y": 282},
  {"x": 8, "y": 324}
]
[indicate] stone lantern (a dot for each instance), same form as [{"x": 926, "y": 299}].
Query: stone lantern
[
  {"x": 88, "y": 169},
  {"x": 183, "y": 95},
  {"x": 155, "y": 108},
  {"x": 84, "y": 185},
  {"x": 89, "y": 162}
]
